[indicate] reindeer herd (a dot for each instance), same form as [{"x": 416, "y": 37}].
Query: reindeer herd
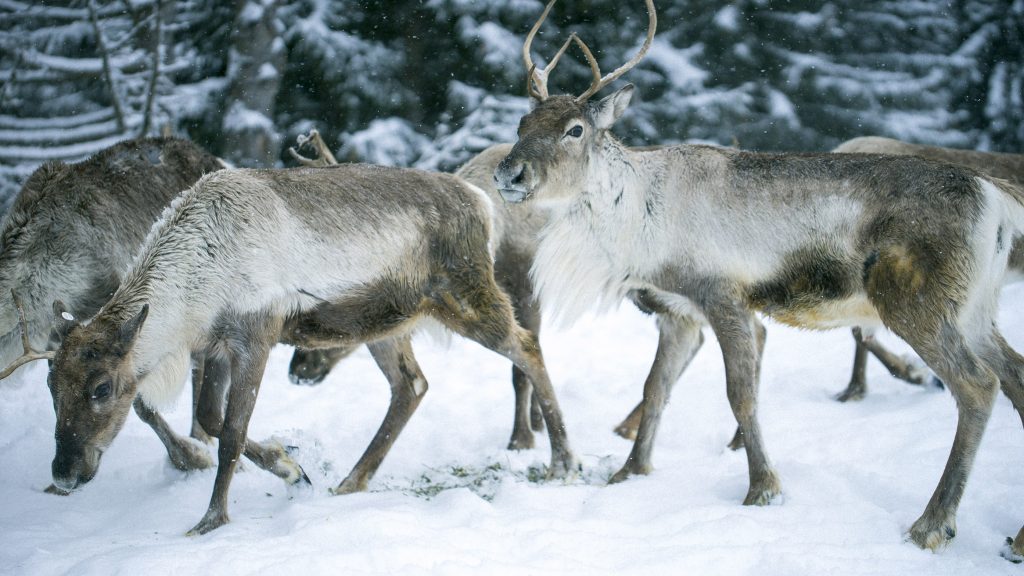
[{"x": 153, "y": 259}]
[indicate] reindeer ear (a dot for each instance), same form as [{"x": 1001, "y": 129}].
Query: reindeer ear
[
  {"x": 611, "y": 108},
  {"x": 130, "y": 329},
  {"x": 63, "y": 321}
]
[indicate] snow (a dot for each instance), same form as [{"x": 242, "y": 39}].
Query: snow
[
  {"x": 450, "y": 500},
  {"x": 65, "y": 152},
  {"x": 498, "y": 45},
  {"x": 677, "y": 64},
  {"x": 728, "y": 18},
  {"x": 390, "y": 141},
  {"x": 240, "y": 118}
]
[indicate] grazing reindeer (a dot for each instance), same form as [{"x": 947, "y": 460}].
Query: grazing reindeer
[
  {"x": 516, "y": 232},
  {"x": 1006, "y": 166},
  {"x": 71, "y": 233},
  {"x": 309, "y": 366},
  {"x": 345, "y": 254},
  {"x": 813, "y": 240}
]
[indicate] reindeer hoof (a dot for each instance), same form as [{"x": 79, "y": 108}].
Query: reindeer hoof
[
  {"x": 931, "y": 533},
  {"x": 628, "y": 470},
  {"x": 189, "y": 456},
  {"x": 1011, "y": 553},
  {"x": 521, "y": 441},
  {"x": 852, "y": 393},
  {"x": 762, "y": 492},
  {"x": 52, "y": 489},
  {"x": 211, "y": 521},
  {"x": 349, "y": 486},
  {"x": 917, "y": 372},
  {"x": 564, "y": 466}
]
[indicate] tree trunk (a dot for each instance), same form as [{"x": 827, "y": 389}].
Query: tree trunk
[{"x": 255, "y": 67}]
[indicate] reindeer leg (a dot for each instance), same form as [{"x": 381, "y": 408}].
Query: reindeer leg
[
  {"x": 512, "y": 273},
  {"x": 973, "y": 385},
  {"x": 210, "y": 412},
  {"x": 198, "y": 375},
  {"x": 1009, "y": 367},
  {"x": 679, "y": 339},
  {"x": 184, "y": 453},
  {"x": 665, "y": 357},
  {"x": 907, "y": 369},
  {"x": 523, "y": 349},
  {"x": 737, "y": 335},
  {"x": 395, "y": 358},
  {"x": 761, "y": 336},
  {"x": 481, "y": 312},
  {"x": 247, "y": 365},
  {"x": 528, "y": 413},
  {"x": 858, "y": 386}
]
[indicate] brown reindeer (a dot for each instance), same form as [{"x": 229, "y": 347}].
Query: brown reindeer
[
  {"x": 812, "y": 240},
  {"x": 327, "y": 256},
  {"x": 71, "y": 233},
  {"x": 1006, "y": 166}
]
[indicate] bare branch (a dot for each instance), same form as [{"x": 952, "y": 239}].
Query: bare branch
[
  {"x": 29, "y": 355},
  {"x": 147, "y": 112},
  {"x": 107, "y": 70}
]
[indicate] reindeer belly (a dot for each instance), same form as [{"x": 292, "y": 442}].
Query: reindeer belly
[{"x": 817, "y": 290}]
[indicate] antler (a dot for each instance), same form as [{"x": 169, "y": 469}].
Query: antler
[
  {"x": 29, "y": 354},
  {"x": 601, "y": 82},
  {"x": 313, "y": 139},
  {"x": 537, "y": 78}
]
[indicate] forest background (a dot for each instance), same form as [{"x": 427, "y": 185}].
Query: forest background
[{"x": 429, "y": 83}]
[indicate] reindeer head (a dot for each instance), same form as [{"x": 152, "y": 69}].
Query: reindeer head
[
  {"x": 555, "y": 141},
  {"x": 557, "y": 136},
  {"x": 93, "y": 384}
]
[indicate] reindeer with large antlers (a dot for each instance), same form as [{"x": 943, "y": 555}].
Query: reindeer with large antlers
[{"x": 812, "y": 240}]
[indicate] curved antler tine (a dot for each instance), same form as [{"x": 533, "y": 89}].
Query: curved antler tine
[
  {"x": 594, "y": 68},
  {"x": 535, "y": 76},
  {"x": 531, "y": 83},
  {"x": 316, "y": 142},
  {"x": 540, "y": 77},
  {"x": 652, "y": 24},
  {"x": 554, "y": 61},
  {"x": 29, "y": 355}
]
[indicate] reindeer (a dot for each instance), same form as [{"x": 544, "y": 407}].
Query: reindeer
[
  {"x": 1006, "y": 166},
  {"x": 812, "y": 240},
  {"x": 516, "y": 231},
  {"x": 70, "y": 234},
  {"x": 326, "y": 256}
]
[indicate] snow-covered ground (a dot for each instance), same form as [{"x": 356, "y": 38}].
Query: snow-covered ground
[{"x": 450, "y": 500}]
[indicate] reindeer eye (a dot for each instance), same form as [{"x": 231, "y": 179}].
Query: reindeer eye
[
  {"x": 101, "y": 391},
  {"x": 576, "y": 131}
]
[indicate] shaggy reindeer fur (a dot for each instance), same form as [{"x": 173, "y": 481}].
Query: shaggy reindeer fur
[
  {"x": 70, "y": 236},
  {"x": 1006, "y": 166},
  {"x": 325, "y": 256},
  {"x": 516, "y": 235},
  {"x": 813, "y": 240}
]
